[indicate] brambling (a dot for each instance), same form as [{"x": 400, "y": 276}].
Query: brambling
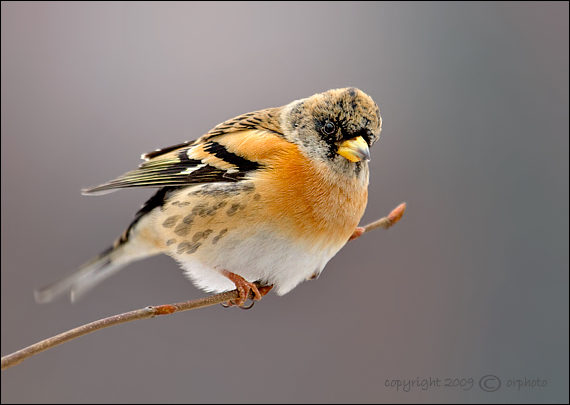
[{"x": 269, "y": 196}]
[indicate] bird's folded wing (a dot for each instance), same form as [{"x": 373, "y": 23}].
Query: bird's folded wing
[{"x": 222, "y": 158}]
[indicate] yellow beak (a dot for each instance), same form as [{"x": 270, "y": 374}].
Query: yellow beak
[{"x": 355, "y": 149}]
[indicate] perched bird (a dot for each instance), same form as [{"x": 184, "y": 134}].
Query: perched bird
[{"x": 269, "y": 196}]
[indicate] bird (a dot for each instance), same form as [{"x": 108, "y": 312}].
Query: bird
[{"x": 264, "y": 199}]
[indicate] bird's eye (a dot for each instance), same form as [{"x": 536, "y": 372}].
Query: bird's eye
[{"x": 329, "y": 128}]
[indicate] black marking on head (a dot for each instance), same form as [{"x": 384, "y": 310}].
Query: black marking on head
[
  {"x": 357, "y": 168},
  {"x": 352, "y": 112},
  {"x": 365, "y": 133},
  {"x": 330, "y": 139},
  {"x": 170, "y": 242},
  {"x": 321, "y": 122}
]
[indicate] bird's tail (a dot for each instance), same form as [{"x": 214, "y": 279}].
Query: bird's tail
[{"x": 89, "y": 274}]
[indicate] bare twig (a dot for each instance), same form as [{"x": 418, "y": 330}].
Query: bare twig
[
  {"x": 388, "y": 221},
  {"x": 144, "y": 313},
  {"x": 152, "y": 311}
]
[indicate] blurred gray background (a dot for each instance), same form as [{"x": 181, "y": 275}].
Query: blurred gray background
[{"x": 472, "y": 282}]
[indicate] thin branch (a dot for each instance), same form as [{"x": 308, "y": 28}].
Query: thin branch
[
  {"x": 152, "y": 311},
  {"x": 144, "y": 313}
]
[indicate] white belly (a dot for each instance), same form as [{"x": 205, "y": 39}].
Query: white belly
[{"x": 260, "y": 257}]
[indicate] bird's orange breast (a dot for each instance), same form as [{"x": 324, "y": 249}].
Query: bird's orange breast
[
  {"x": 304, "y": 199},
  {"x": 313, "y": 204}
]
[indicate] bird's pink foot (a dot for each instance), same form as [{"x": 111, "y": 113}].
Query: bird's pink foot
[{"x": 244, "y": 287}]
